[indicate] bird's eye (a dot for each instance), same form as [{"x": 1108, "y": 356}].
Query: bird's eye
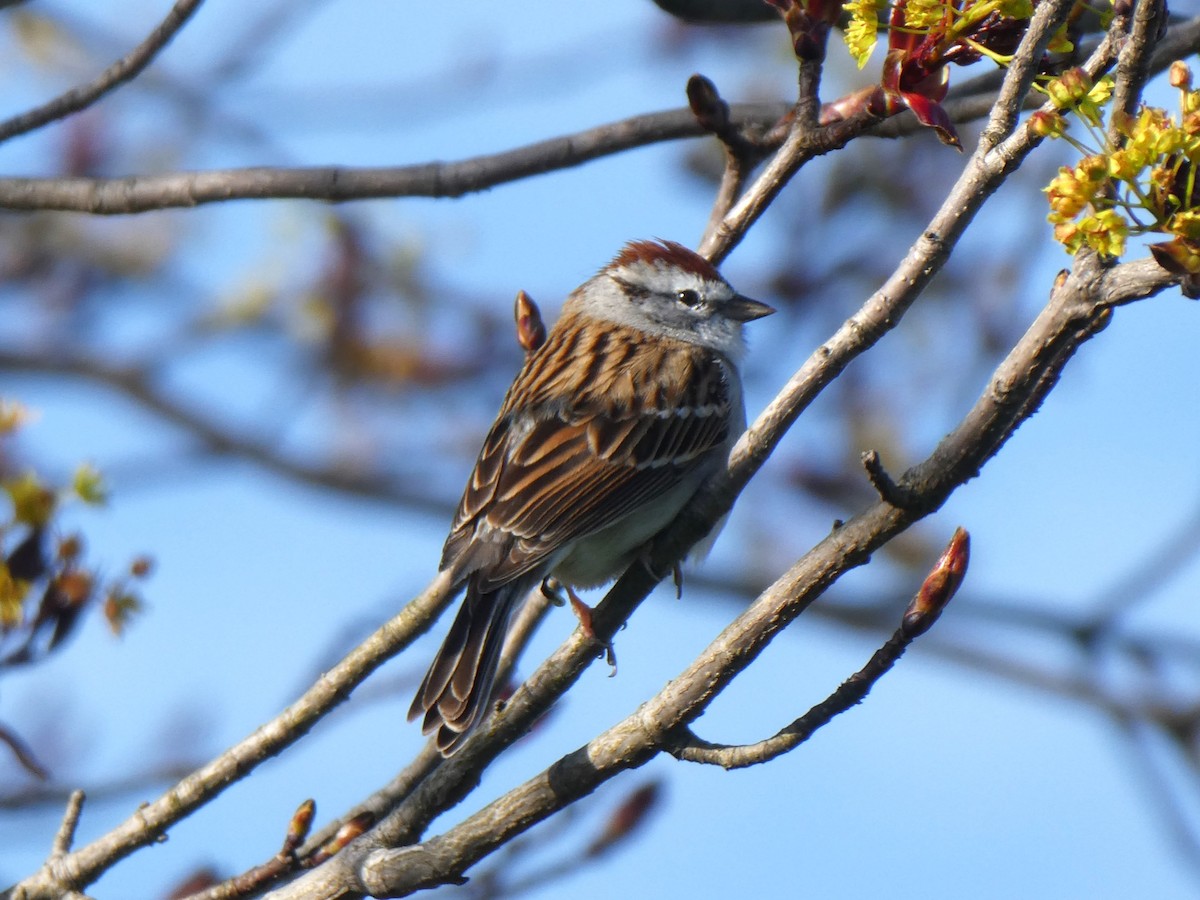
[{"x": 688, "y": 297}]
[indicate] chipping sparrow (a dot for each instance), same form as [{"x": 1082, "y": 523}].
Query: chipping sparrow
[{"x": 607, "y": 431}]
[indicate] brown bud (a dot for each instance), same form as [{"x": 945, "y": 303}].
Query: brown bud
[
  {"x": 626, "y": 818},
  {"x": 707, "y": 106},
  {"x": 344, "y": 835},
  {"x": 75, "y": 585},
  {"x": 299, "y": 826},
  {"x": 194, "y": 883},
  {"x": 141, "y": 566},
  {"x": 531, "y": 330},
  {"x": 70, "y": 547},
  {"x": 939, "y": 586},
  {"x": 1179, "y": 257},
  {"x": 1180, "y": 75},
  {"x": 1045, "y": 123}
]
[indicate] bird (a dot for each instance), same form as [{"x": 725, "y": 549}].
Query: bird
[{"x": 613, "y": 423}]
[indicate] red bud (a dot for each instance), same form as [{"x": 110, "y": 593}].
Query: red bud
[
  {"x": 626, "y": 818},
  {"x": 939, "y": 586},
  {"x": 299, "y": 826},
  {"x": 531, "y": 330}
]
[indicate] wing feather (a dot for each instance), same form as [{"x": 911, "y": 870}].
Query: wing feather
[{"x": 577, "y": 448}]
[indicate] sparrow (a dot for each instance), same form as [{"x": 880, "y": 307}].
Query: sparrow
[{"x": 612, "y": 424}]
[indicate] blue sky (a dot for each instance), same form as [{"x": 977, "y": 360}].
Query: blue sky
[{"x": 946, "y": 783}]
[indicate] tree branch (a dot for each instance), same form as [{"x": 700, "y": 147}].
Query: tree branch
[
  {"x": 1133, "y": 64},
  {"x": 150, "y": 822},
  {"x": 123, "y": 70},
  {"x": 138, "y": 385},
  {"x": 142, "y": 193},
  {"x": 936, "y": 591},
  {"x": 66, "y": 831}
]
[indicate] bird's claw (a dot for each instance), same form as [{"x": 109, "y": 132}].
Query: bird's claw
[
  {"x": 583, "y": 612},
  {"x": 552, "y": 590}
]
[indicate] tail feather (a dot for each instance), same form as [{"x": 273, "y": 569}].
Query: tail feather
[{"x": 456, "y": 690}]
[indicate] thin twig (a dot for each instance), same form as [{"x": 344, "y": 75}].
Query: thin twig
[
  {"x": 152, "y": 820},
  {"x": 937, "y": 590},
  {"x": 805, "y": 140},
  {"x": 65, "y": 836},
  {"x": 139, "y": 386},
  {"x": 23, "y": 754},
  {"x": 1133, "y": 64},
  {"x": 741, "y": 155},
  {"x": 43, "y": 795},
  {"x": 123, "y": 70}
]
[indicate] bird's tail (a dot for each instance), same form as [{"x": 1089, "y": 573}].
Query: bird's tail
[{"x": 459, "y": 684}]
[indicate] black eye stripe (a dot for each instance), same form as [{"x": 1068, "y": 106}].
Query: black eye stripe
[{"x": 634, "y": 291}]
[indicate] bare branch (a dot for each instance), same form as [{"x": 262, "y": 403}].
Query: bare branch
[
  {"x": 142, "y": 193},
  {"x": 23, "y": 754},
  {"x": 83, "y": 866},
  {"x": 66, "y": 831},
  {"x": 123, "y": 70},
  {"x": 937, "y": 590},
  {"x": 1133, "y": 64},
  {"x": 138, "y": 385}
]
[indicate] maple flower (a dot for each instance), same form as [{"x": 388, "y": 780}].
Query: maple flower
[
  {"x": 926, "y": 36},
  {"x": 1140, "y": 181}
]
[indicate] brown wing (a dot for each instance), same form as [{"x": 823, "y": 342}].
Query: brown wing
[{"x": 552, "y": 471}]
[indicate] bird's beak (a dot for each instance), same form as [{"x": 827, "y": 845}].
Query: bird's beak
[{"x": 743, "y": 309}]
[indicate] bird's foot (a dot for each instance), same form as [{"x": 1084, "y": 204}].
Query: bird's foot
[
  {"x": 552, "y": 590},
  {"x": 583, "y": 612}
]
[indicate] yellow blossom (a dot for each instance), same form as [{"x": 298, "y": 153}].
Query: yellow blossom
[
  {"x": 89, "y": 485},
  {"x": 860, "y": 34},
  {"x": 1125, "y": 166},
  {"x": 924, "y": 15},
  {"x": 1068, "y": 194},
  {"x": 12, "y": 416},
  {"x": 12, "y": 593},
  {"x": 1186, "y": 224},
  {"x": 1150, "y": 167},
  {"x": 32, "y": 502},
  {"x": 1105, "y": 231},
  {"x": 1069, "y": 235}
]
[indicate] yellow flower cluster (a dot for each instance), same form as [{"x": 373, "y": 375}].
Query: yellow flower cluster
[
  {"x": 860, "y": 34},
  {"x": 926, "y": 15},
  {"x": 948, "y": 20},
  {"x": 1143, "y": 182},
  {"x": 1071, "y": 193},
  {"x": 32, "y": 506}
]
